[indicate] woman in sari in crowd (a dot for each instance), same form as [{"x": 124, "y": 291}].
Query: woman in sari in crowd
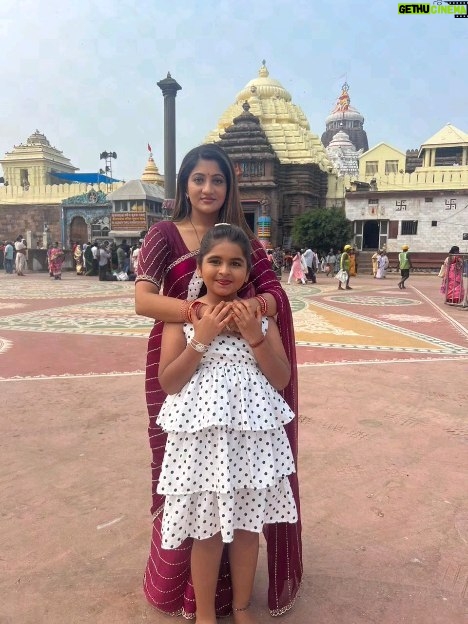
[
  {"x": 166, "y": 290},
  {"x": 78, "y": 257},
  {"x": 56, "y": 258},
  {"x": 452, "y": 281}
]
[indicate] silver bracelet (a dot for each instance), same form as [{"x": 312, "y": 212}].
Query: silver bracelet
[{"x": 198, "y": 346}]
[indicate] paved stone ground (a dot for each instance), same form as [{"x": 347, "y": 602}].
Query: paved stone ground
[{"x": 383, "y": 464}]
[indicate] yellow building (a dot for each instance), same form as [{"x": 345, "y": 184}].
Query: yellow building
[{"x": 381, "y": 159}]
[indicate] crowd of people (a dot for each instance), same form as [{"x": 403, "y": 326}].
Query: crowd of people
[
  {"x": 107, "y": 260},
  {"x": 13, "y": 256},
  {"x": 303, "y": 265}
]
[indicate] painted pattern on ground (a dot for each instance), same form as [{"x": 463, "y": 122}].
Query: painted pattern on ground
[
  {"x": 111, "y": 317},
  {"x": 67, "y": 288},
  {"x": 362, "y": 326}
]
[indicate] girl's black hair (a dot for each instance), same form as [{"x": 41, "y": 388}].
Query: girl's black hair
[{"x": 227, "y": 232}]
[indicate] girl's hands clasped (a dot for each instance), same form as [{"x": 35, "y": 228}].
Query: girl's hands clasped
[
  {"x": 213, "y": 322},
  {"x": 248, "y": 321}
]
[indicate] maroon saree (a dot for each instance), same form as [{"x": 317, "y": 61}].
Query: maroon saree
[{"x": 165, "y": 261}]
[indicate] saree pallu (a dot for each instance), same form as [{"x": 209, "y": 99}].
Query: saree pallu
[{"x": 165, "y": 261}]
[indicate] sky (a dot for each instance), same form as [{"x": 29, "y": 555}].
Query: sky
[{"x": 84, "y": 72}]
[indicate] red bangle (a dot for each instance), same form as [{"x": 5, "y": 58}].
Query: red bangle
[
  {"x": 263, "y": 304},
  {"x": 258, "y": 343},
  {"x": 194, "y": 306}
]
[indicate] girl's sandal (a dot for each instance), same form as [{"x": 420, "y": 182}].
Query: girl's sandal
[{"x": 242, "y": 608}]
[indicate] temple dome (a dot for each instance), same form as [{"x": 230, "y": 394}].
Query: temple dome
[
  {"x": 37, "y": 138},
  {"x": 284, "y": 123},
  {"x": 341, "y": 139},
  {"x": 263, "y": 88},
  {"x": 151, "y": 173},
  {"x": 346, "y": 117},
  {"x": 343, "y": 155}
]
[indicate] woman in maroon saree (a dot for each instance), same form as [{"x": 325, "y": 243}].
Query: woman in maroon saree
[{"x": 167, "y": 264}]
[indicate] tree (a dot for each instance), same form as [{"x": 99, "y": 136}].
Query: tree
[{"x": 322, "y": 229}]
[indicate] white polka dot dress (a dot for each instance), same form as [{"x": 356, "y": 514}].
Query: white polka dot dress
[{"x": 227, "y": 456}]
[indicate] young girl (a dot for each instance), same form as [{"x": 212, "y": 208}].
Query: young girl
[{"x": 227, "y": 458}]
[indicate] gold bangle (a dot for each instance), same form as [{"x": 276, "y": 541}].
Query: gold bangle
[
  {"x": 258, "y": 343},
  {"x": 184, "y": 312},
  {"x": 263, "y": 304}
]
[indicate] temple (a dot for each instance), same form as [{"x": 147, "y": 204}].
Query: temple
[
  {"x": 283, "y": 167},
  {"x": 343, "y": 155},
  {"x": 35, "y": 163},
  {"x": 346, "y": 118}
]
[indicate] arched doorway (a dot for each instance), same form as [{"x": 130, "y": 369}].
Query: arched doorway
[
  {"x": 78, "y": 230},
  {"x": 370, "y": 238}
]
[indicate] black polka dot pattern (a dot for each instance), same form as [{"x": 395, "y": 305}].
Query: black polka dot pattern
[{"x": 227, "y": 455}]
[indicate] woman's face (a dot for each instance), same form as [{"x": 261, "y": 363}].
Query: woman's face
[{"x": 206, "y": 188}]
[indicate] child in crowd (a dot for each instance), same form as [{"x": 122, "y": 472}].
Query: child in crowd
[{"x": 227, "y": 457}]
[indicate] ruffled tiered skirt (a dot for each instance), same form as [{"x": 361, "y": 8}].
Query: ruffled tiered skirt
[{"x": 227, "y": 456}]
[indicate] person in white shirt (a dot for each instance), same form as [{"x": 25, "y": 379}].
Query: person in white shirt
[
  {"x": 20, "y": 262},
  {"x": 308, "y": 256}
]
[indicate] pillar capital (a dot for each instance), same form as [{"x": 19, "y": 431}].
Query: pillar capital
[{"x": 169, "y": 86}]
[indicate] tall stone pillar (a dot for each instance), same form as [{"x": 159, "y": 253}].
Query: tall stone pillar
[{"x": 169, "y": 88}]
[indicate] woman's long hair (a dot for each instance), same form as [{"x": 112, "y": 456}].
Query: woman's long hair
[{"x": 231, "y": 211}]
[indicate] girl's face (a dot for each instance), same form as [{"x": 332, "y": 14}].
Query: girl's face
[
  {"x": 206, "y": 188},
  {"x": 224, "y": 270}
]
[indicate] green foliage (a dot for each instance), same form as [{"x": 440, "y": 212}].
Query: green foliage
[{"x": 322, "y": 228}]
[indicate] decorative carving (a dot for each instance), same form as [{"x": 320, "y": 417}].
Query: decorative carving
[{"x": 92, "y": 197}]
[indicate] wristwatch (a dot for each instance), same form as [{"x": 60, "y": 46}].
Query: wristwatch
[{"x": 198, "y": 346}]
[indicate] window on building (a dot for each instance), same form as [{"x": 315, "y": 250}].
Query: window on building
[
  {"x": 393, "y": 229},
  {"x": 428, "y": 200},
  {"x": 409, "y": 228},
  {"x": 391, "y": 166},
  {"x": 434, "y": 223},
  {"x": 121, "y": 206},
  {"x": 373, "y": 201},
  {"x": 136, "y": 205},
  {"x": 24, "y": 177},
  {"x": 372, "y": 167}
]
